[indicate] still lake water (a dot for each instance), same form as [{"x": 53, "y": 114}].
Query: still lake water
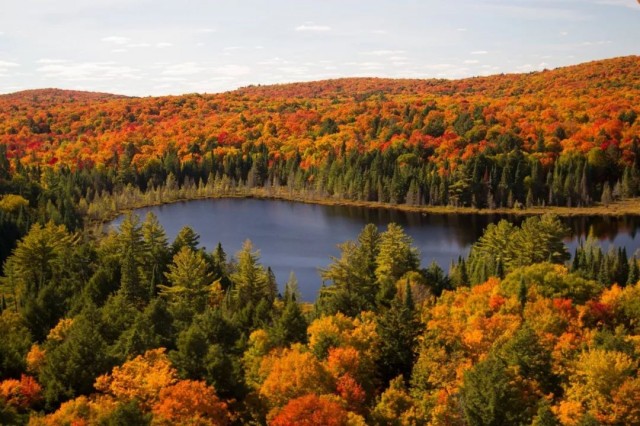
[{"x": 302, "y": 237}]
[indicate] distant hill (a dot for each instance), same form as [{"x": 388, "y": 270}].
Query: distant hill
[
  {"x": 43, "y": 97},
  {"x": 545, "y": 114}
]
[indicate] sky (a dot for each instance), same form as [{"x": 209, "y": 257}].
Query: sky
[{"x": 161, "y": 47}]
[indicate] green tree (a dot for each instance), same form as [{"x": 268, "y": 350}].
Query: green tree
[
  {"x": 190, "y": 280},
  {"x": 250, "y": 280},
  {"x": 131, "y": 245},
  {"x": 398, "y": 330},
  {"x": 72, "y": 365},
  {"x": 353, "y": 278},
  {"x": 157, "y": 252},
  {"x": 491, "y": 397},
  {"x": 186, "y": 237},
  {"x": 14, "y": 344},
  {"x": 396, "y": 255}
]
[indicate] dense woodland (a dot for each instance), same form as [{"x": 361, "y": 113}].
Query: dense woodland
[{"x": 130, "y": 328}]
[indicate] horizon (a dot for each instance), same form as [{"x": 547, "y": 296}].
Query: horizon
[
  {"x": 143, "y": 48},
  {"x": 253, "y": 85}
]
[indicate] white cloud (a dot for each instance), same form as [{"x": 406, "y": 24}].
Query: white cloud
[
  {"x": 51, "y": 61},
  {"x": 471, "y": 61},
  {"x": 163, "y": 44},
  {"x": 116, "y": 39},
  {"x": 294, "y": 70},
  {"x": 138, "y": 45},
  {"x": 383, "y": 52},
  {"x": 479, "y": 52},
  {"x": 7, "y": 64},
  {"x": 313, "y": 27},
  {"x": 119, "y": 50},
  {"x": 89, "y": 71},
  {"x": 168, "y": 79},
  {"x": 597, "y": 43},
  {"x": 187, "y": 68},
  {"x": 564, "y": 33},
  {"x": 232, "y": 70}
]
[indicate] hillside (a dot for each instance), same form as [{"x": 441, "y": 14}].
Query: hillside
[{"x": 485, "y": 141}]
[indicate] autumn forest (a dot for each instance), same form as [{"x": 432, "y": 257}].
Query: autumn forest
[{"x": 128, "y": 327}]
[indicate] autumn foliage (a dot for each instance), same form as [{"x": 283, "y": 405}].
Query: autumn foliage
[{"x": 311, "y": 410}]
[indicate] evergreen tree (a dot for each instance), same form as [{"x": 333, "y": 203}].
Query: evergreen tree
[{"x": 398, "y": 330}]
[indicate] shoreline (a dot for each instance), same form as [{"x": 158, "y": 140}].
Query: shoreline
[{"x": 627, "y": 207}]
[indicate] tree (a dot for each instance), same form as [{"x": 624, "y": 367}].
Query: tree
[
  {"x": 72, "y": 364},
  {"x": 291, "y": 326},
  {"x": 491, "y": 396},
  {"x": 190, "y": 280},
  {"x": 14, "y": 345},
  {"x": 311, "y": 410},
  {"x": 157, "y": 252},
  {"x": 292, "y": 374},
  {"x": 395, "y": 406},
  {"x": 191, "y": 402},
  {"x": 131, "y": 245},
  {"x": 353, "y": 278},
  {"x": 186, "y": 237},
  {"x": 396, "y": 255},
  {"x": 141, "y": 379},
  {"x": 398, "y": 330},
  {"x": 250, "y": 280}
]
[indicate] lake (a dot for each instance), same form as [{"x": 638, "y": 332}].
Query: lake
[{"x": 302, "y": 237}]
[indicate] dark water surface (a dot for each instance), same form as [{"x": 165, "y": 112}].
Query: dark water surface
[{"x": 301, "y": 237}]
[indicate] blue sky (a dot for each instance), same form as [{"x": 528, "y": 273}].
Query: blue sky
[{"x": 158, "y": 47}]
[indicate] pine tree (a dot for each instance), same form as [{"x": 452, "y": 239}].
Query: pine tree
[
  {"x": 634, "y": 272},
  {"x": 131, "y": 260},
  {"x": 398, "y": 330}
]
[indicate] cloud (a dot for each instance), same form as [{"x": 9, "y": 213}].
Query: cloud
[
  {"x": 597, "y": 43},
  {"x": 471, "y": 61},
  {"x": 232, "y": 70},
  {"x": 187, "y": 68},
  {"x": 535, "y": 12},
  {"x": 479, "y": 52},
  {"x": 163, "y": 44},
  {"x": 89, "y": 71},
  {"x": 51, "y": 61},
  {"x": 383, "y": 52},
  {"x": 116, "y": 39},
  {"x": 294, "y": 70},
  {"x": 313, "y": 28},
  {"x": 7, "y": 64}
]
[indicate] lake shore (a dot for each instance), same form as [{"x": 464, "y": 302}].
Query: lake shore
[{"x": 626, "y": 207}]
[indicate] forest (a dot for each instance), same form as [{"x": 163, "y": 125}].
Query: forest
[
  {"x": 134, "y": 329},
  {"x": 127, "y": 327}
]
